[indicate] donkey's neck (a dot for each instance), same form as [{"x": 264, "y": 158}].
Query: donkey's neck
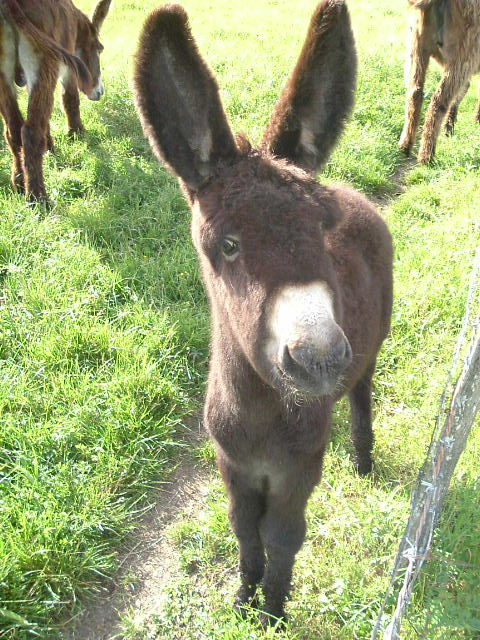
[{"x": 246, "y": 416}]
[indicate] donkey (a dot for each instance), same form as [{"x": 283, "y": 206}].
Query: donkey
[
  {"x": 448, "y": 31},
  {"x": 41, "y": 40},
  {"x": 299, "y": 278}
]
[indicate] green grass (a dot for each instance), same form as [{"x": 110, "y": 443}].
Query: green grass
[{"x": 104, "y": 344}]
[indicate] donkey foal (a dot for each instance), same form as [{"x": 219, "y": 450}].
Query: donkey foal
[{"x": 299, "y": 278}]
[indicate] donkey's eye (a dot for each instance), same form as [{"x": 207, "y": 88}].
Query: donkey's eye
[{"x": 230, "y": 247}]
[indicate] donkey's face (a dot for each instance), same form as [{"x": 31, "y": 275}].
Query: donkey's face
[
  {"x": 258, "y": 222},
  {"x": 89, "y": 48},
  {"x": 269, "y": 275}
]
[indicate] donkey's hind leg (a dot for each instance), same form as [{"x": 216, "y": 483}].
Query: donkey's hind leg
[
  {"x": 453, "y": 111},
  {"x": 362, "y": 433},
  {"x": 477, "y": 115},
  {"x": 451, "y": 84},
  {"x": 247, "y": 506},
  {"x": 8, "y": 102}
]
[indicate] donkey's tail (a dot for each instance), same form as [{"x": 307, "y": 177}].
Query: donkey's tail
[{"x": 14, "y": 13}]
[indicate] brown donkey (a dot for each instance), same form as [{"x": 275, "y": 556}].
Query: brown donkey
[
  {"x": 41, "y": 40},
  {"x": 449, "y": 31},
  {"x": 299, "y": 278}
]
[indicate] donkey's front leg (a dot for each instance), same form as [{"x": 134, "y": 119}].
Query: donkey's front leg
[
  {"x": 71, "y": 104},
  {"x": 416, "y": 73},
  {"x": 247, "y": 506},
  {"x": 283, "y": 531}
]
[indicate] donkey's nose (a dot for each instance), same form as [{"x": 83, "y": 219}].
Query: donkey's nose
[
  {"x": 318, "y": 360},
  {"x": 97, "y": 92}
]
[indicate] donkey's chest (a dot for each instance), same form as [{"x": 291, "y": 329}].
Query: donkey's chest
[
  {"x": 271, "y": 454},
  {"x": 267, "y": 475}
]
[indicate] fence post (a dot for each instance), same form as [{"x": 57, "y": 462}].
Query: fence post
[{"x": 448, "y": 441}]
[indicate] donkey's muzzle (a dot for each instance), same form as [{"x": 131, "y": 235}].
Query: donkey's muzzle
[
  {"x": 97, "y": 92},
  {"x": 316, "y": 368}
]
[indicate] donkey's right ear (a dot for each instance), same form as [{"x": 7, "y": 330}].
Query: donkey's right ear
[
  {"x": 100, "y": 14},
  {"x": 177, "y": 98}
]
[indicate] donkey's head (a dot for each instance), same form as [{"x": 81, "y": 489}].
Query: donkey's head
[
  {"x": 259, "y": 216},
  {"x": 89, "y": 47}
]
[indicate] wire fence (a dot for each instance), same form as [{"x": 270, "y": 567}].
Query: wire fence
[{"x": 448, "y": 441}]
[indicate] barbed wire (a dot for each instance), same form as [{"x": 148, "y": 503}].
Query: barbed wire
[{"x": 449, "y": 439}]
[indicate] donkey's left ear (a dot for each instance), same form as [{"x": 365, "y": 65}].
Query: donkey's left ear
[
  {"x": 312, "y": 110},
  {"x": 100, "y": 14}
]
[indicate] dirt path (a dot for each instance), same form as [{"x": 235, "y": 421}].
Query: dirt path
[
  {"x": 152, "y": 562},
  {"x": 387, "y": 196}
]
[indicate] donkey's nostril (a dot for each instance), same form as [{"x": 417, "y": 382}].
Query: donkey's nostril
[
  {"x": 348, "y": 356},
  {"x": 287, "y": 360},
  {"x": 298, "y": 357},
  {"x": 342, "y": 351}
]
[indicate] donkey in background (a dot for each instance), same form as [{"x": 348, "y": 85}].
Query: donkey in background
[
  {"x": 299, "y": 278},
  {"x": 448, "y": 31},
  {"x": 41, "y": 40}
]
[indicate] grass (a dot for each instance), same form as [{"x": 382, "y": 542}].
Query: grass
[{"x": 104, "y": 344}]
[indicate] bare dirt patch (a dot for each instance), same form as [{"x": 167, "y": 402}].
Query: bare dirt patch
[
  {"x": 151, "y": 563},
  {"x": 387, "y": 196}
]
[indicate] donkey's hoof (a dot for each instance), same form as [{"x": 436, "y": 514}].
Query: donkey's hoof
[
  {"x": 18, "y": 183},
  {"x": 278, "y": 622},
  {"x": 40, "y": 199},
  {"x": 247, "y": 596},
  {"x": 76, "y": 132},
  {"x": 424, "y": 157},
  {"x": 449, "y": 129},
  {"x": 364, "y": 467},
  {"x": 406, "y": 147}
]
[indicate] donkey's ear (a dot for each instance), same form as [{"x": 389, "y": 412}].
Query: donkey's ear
[
  {"x": 311, "y": 112},
  {"x": 100, "y": 14},
  {"x": 177, "y": 98}
]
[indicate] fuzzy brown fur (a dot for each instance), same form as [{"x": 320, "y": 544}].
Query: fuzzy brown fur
[
  {"x": 292, "y": 231},
  {"x": 55, "y": 30},
  {"x": 448, "y": 31},
  {"x": 328, "y": 61}
]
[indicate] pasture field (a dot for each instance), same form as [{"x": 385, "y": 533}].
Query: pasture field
[{"x": 104, "y": 349}]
